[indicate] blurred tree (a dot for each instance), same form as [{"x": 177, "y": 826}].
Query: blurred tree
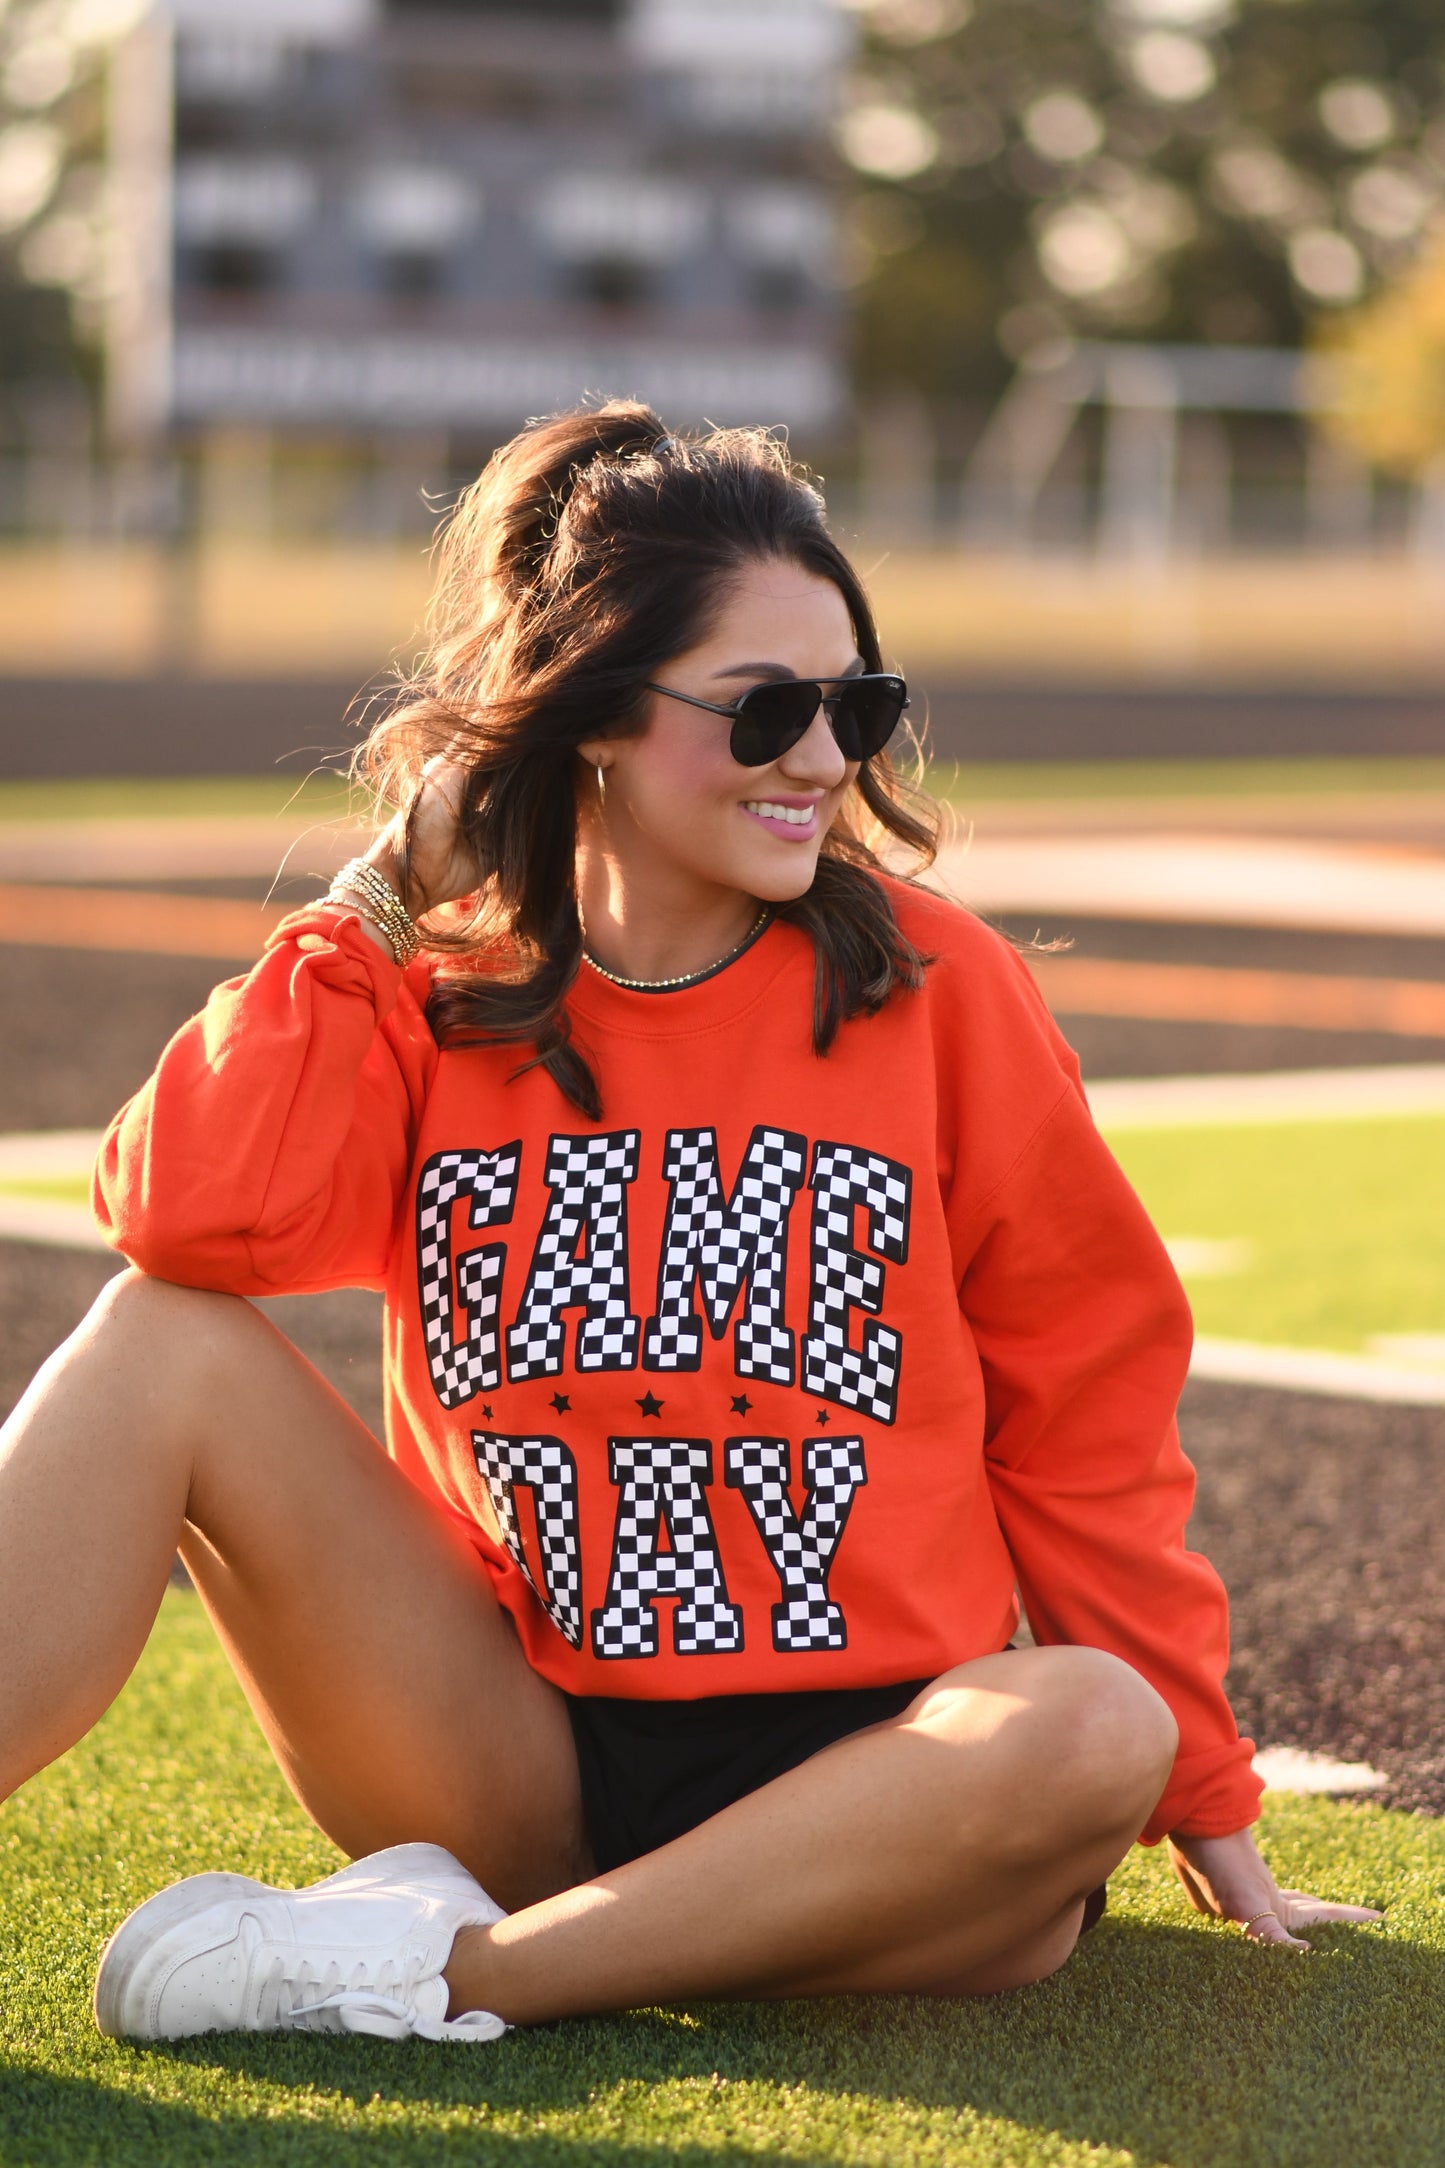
[
  {"x": 1383, "y": 385},
  {"x": 52, "y": 237},
  {"x": 1217, "y": 170}
]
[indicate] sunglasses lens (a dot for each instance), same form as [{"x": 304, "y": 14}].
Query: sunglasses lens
[
  {"x": 770, "y": 718},
  {"x": 865, "y": 715}
]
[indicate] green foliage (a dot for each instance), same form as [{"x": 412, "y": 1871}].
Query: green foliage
[
  {"x": 1344, "y": 1223},
  {"x": 923, "y": 306},
  {"x": 1388, "y": 366},
  {"x": 1166, "y": 2040},
  {"x": 1127, "y": 207},
  {"x": 52, "y": 229}
]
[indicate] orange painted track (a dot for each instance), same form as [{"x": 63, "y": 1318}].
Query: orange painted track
[
  {"x": 1216, "y": 994},
  {"x": 135, "y": 920},
  {"x": 142, "y": 922}
]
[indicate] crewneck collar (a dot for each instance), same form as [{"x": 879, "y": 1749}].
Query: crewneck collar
[
  {"x": 686, "y": 979},
  {"x": 679, "y": 1011}
]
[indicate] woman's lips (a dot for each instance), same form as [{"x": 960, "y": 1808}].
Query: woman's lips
[{"x": 794, "y": 823}]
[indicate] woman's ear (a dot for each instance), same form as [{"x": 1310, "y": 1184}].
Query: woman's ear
[{"x": 597, "y": 752}]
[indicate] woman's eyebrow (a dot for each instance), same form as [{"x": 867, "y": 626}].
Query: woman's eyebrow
[{"x": 777, "y": 670}]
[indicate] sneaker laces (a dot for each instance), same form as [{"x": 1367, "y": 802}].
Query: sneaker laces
[
  {"x": 384, "y": 2017},
  {"x": 294, "y": 1992},
  {"x": 387, "y": 2002}
]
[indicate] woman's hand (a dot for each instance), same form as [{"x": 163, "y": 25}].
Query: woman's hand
[
  {"x": 1226, "y": 1877},
  {"x": 441, "y": 866}
]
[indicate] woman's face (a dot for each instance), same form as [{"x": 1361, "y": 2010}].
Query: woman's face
[{"x": 677, "y": 804}]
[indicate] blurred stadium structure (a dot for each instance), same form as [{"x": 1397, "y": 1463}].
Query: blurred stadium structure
[
  {"x": 1057, "y": 291},
  {"x": 369, "y": 222}
]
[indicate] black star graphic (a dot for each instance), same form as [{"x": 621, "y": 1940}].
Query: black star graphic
[
  {"x": 561, "y": 1403},
  {"x": 486, "y": 1413},
  {"x": 741, "y": 1404},
  {"x": 650, "y": 1404},
  {"x": 822, "y": 1416}
]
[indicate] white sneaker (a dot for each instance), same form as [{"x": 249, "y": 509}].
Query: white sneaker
[{"x": 361, "y": 1952}]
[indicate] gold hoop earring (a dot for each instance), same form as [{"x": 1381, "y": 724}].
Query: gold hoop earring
[{"x": 601, "y": 784}]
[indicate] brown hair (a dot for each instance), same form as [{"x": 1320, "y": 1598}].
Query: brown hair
[{"x": 592, "y": 549}]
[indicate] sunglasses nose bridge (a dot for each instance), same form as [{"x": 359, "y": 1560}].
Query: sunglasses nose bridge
[{"x": 819, "y": 743}]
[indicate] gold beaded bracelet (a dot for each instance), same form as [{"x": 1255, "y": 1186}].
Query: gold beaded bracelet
[
  {"x": 368, "y": 892},
  {"x": 352, "y": 901},
  {"x": 402, "y": 945}
]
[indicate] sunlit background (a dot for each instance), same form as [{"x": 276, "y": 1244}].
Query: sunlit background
[
  {"x": 1143, "y": 283},
  {"x": 1116, "y": 332}
]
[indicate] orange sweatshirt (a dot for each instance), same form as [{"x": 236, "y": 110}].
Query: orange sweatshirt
[{"x": 783, "y": 1374}]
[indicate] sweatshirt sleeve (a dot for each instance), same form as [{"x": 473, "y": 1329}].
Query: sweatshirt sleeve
[
  {"x": 1083, "y": 1335},
  {"x": 270, "y": 1150}
]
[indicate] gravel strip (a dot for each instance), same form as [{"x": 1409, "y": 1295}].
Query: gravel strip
[{"x": 1319, "y": 1514}]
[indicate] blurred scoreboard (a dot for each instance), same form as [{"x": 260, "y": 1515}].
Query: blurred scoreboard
[{"x": 393, "y": 215}]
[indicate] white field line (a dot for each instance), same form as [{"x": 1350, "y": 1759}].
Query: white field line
[
  {"x": 207, "y": 847},
  {"x": 49, "y": 1220},
  {"x": 1220, "y": 880},
  {"x": 1316, "y": 1370},
  {"x": 48, "y": 1155},
  {"x": 1291, "y": 1095},
  {"x": 1199, "y": 1257},
  {"x": 1409, "y": 1347},
  {"x": 1291, "y": 1769}
]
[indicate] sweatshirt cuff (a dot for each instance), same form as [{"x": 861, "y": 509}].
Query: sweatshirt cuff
[
  {"x": 334, "y": 942},
  {"x": 1209, "y": 1794}
]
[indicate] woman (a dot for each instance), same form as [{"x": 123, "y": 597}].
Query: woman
[{"x": 762, "y": 1309}]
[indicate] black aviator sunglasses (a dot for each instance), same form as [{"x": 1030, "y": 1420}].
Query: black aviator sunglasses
[{"x": 862, "y": 714}]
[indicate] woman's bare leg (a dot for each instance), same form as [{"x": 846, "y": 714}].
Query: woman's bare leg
[
  {"x": 948, "y": 1852},
  {"x": 384, "y": 1674}
]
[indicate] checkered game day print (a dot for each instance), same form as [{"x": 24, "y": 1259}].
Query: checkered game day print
[
  {"x": 713, "y": 1244},
  {"x": 722, "y": 1261}
]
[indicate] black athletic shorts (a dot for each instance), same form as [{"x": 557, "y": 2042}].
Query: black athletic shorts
[{"x": 652, "y": 1770}]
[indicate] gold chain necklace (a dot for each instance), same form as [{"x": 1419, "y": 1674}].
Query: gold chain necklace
[{"x": 689, "y": 978}]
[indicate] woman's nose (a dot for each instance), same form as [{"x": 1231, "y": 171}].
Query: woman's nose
[{"x": 817, "y": 757}]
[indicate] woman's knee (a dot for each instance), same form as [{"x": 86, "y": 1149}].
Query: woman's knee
[
  {"x": 193, "y": 1333},
  {"x": 1082, "y": 1750},
  {"x": 136, "y": 1302},
  {"x": 1107, "y": 1740}
]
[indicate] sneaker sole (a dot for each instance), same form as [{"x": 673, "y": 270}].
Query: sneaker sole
[{"x": 139, "y": 1931}]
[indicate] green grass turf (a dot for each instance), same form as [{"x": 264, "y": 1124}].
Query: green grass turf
[
  {"x": 1165, "y": 2040},
  {"x": 322, "y": 795},
  {"x": 319, "y": 796},
  {"x": 54, "y": 1189},
  {"x": 1345, "y": 1222}
]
